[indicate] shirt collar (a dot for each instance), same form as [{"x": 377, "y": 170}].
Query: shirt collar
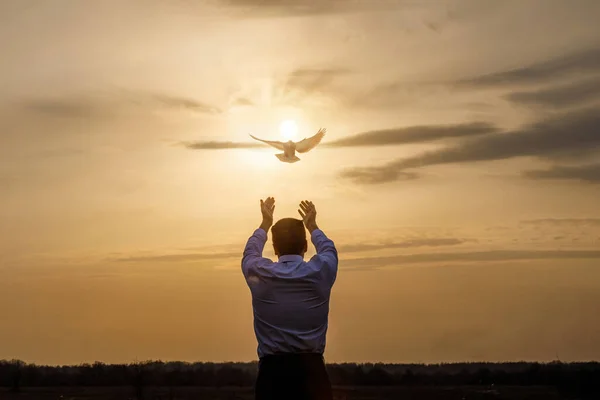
[{"x": 291, "y": 257}]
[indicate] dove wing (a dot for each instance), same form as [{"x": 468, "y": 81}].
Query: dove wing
[
  {"x": 310, "y": 143},
  {"x": 277, "y": 145}
]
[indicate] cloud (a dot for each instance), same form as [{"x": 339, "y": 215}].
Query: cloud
[
  {"x": 306, "y": 82},
  {"x": 471, "y": 256},
  {"x": 185, "y": 257},
  {"x": 242, "y": 102},
  {"x": 72, "y": 107},
  {"x": 585, "y": 173},
  {"x": 410, "y": 243},
  {"x": 559, "y": 222},
  {"x": 332, "y": 86},
  {"x": 179, "y": 102},
  {"x": 567, "y": 95},
  {"x": 99, "y": 106},
  {"x": 346, "y": 248},
  {"x": 282, "y": 8},
  {"x": 559, "y": 135},
  {"x": 396, "y": 136},
  {"x": 293, "y": 88},
  {"x": 413, "y": 134},
  {"x": 309, "y": 79},
  {"x": 213, "y": 145},
  {"x": 587, "y": 61},
  {"x": 367, "y": 177}
]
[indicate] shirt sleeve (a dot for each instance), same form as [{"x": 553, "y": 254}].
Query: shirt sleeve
[
  {"x": 253, "y": 251},
  {"x": 326, "y": 252}
]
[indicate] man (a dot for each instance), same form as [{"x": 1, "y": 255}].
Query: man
[{"x": 290, "y": 298}]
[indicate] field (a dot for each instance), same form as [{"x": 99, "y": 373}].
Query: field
[{"x": 345, "y": 393}]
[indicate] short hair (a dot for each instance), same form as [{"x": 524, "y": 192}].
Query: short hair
[{"x": 289, "y": 236}]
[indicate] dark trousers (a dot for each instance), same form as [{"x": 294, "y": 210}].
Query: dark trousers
[{"x": 292, "y": 377}]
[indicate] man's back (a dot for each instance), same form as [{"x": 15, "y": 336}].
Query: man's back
[{"x": 290, "y": 298}]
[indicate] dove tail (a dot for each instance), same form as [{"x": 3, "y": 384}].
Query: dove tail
[{"x": 282, "y": 157}]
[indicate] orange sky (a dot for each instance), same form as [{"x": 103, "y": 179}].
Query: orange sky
[{"x": 121, "y": 238}]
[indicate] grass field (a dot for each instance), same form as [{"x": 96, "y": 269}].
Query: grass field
[{"x": 346, "y": 393}]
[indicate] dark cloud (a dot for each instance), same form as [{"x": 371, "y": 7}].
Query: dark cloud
[
  {"x": 413, "y": 134},
  {"x": 587, "y": 61},
  {"x": 585, "y": 173},
  {"x": 558, "y": 135},
  {"x": 473, "y": 256},
  {"x": 567, "y": 95}
]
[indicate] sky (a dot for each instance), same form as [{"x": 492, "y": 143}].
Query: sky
[{"x": 459, "y": 177}]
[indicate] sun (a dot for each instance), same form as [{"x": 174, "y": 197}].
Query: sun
[{"x": 288, "y": 129}]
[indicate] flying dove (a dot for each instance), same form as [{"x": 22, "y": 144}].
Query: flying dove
[{"x": 290, "y": 148}]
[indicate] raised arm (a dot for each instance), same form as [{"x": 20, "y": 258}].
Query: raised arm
[
  {"x": 256, "y": 243},
  {"x": 325, "y": 247}
]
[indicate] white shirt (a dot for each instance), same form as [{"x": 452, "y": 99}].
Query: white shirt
[{"x": 290, "y": 298}]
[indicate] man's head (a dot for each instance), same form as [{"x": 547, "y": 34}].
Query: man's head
[{"x": 289, "y": 237}]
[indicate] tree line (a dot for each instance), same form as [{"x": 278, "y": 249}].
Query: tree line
[{"x": 580, "y": 378}]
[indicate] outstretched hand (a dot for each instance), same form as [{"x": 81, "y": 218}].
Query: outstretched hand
[
  {"x": 267, "y": 208},
  {"x": 308, "y": 212}
]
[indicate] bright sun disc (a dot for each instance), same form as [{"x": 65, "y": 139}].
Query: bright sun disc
[{"x": 288, "y": 129}]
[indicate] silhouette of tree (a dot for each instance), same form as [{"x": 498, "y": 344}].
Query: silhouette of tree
[
  {"x": 580, "y": 380},
  {"x": 16, "y": 374}
]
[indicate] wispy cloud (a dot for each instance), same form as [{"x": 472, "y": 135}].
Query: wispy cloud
[
  {"x": 409, "y": 243},
  {"x": 214, "y": 145},
  {"x": 367, "y": 177},
  {"x": 413, "y": 134},
  {"x": 242, "y": 102},
  {"x": 185, "y": 257},
  {"x": 396, "y": 136},
  {"x": 282, "y": 8},
  {"x": 558, "y": 135},
  {"x": 72, "y": 107},
  {"x": 587, "y": 61},
  {"x": 309, "y": 83},
  {"x": 310, "y": 79},
  {"x": 179, "y": 102},
  {"x": 471, "y": 256},
  {"x": 95, "y": 105},
  {"x": 346, "y": 248},
  {"x": 561, "y": 222},
  {"x": 565, "y": 95},
  {"x": 584, "y": 173}
]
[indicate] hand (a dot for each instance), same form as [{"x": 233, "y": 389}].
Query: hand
[
  {"x": 267, "y": 207},
  {"x": 308, "y": 212}
]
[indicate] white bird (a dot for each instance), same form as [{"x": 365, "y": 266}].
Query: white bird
[{"x": 290, "y": 148}]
